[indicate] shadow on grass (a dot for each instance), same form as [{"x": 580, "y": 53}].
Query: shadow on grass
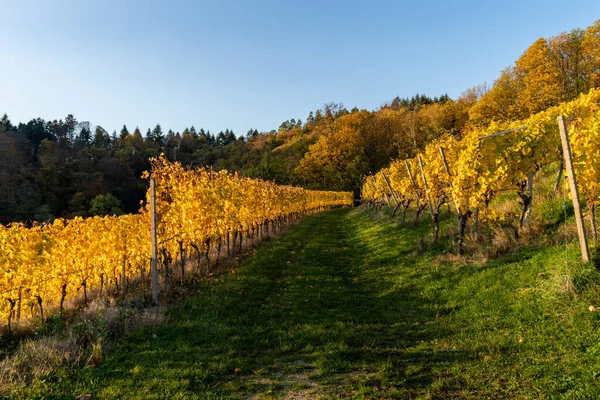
[{"x": 339, "y": 306}]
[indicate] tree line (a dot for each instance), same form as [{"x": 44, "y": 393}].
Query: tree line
[{"x": 67, "y": 168}]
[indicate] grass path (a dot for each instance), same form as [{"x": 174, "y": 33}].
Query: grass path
[{"x": 341, "y": 307}]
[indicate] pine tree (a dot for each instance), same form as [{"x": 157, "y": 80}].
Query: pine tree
[
  {"x": 124, "y": 132},
  {"x": 156, "y": 135}
]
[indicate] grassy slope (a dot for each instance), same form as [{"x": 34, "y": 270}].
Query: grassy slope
[{"x": 341, "y": 306}]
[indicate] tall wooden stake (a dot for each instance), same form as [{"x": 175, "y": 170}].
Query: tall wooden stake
[
  {"x": 566, "y": 146},
  {"x": 529, "y": 194},
  {"x": 154, "y": 243},
  {"x": 412, "y": 180},
  {"x": 425, "y": 185},
  {"x": 372, "y": 180},
  {"x": 123, "y": 274},
  {"x": 445, "y": 162},
  {"x": 387, "y": 198},
  {"x": 475, "y": 227},
  {"x": 387, "y": 180}
]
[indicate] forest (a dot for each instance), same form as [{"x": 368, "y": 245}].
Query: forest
[{"x": 67, "y": 168}]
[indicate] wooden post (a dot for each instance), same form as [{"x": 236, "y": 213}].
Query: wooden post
[
  {"x": 425, "y": 185},
  {"x": 529, "y": 194},
  {"x": 166, "y": 265},
  {"x": 503, "y": 133},
  {"x": 412, "y": 180},
  {"x": 154, "y": 242},
  {"x": 475, "y": 227},
  {"x": 182, "y": 258},
  {"x": 386, "y": 198},
  {"x": 529, "y": 189},
  {"x": 566, "y": 146},
  {"x": 445, "y": 162},
  {"x": 387, "y": 180},
  {"x": 123, "y": 274},
  {"x": 20, "y": 299},
  {"x": 374, "y": 185}
]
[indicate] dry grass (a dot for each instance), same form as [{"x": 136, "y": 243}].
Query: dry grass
[
  {"x": 549, "y": 223},
  {"x": 35, "y": 359},
  {"x": 85, "y": 332},
  {"x": 81, "y": 342}
]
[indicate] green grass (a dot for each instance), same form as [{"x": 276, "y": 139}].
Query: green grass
[{"x": 342, "y": 306}]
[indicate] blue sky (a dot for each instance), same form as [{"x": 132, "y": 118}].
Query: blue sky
[{"x": 241, "y": 64}]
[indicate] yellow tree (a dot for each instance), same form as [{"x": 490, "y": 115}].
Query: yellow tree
[
  {"x": 540, "y": 78},
  {"x": 500, "y": 103},
  {"x": 591, "y": 54},
  {"x": 569, "y": 59},
  {"x": 338, "y": 160}
]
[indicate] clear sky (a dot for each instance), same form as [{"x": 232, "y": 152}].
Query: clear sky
[{"x": 241, "y": 64}]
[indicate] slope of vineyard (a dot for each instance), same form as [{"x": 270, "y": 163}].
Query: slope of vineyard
[
  {"x": 470, "y": 171},
  {"x": 44, "y": 265},
  {"x": 343, "y": 306}
]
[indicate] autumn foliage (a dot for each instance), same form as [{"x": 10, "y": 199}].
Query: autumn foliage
[
  {"x": 46, "y": 264},
  {"x": 480, "y": 167}
]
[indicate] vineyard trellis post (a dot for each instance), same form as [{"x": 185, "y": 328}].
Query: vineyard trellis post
[
  {"x": 412, "y": 180},
  {"x": 434, "y": 214},
  {"x": 462, "y": 217},
  {"x": 475, "y": 227},
  {"x": 570, "y": 170},
  {"x": 425, "y": 185},
  {"x": 529, "y": 194},
  {"x": 372, "y": 180},
  {"x": 389, "y": 185},
  {"x": 387, "y": 198},
  {"x": 420, "y": 204},
  {"x": 123, "y": 274},
  {"x": 154, "y": 243},
  {"x": 445, "y": 162}
]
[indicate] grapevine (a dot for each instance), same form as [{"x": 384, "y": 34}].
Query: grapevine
[{"x": 46, "y": 264}]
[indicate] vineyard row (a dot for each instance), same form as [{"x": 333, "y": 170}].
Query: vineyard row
[
  {"x": 470, "y": 171},
  {"x": 45, "y": 264}
]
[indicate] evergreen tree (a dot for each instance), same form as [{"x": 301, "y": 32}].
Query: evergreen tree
[
  {"x": 210, "y": 138},
  {"x": 101, "y": 138},
  {"x": 157, "y": 135},
  {"x": 5, "y": 124},
  {"x": 251, "y": 133},
  {"x": 70, "y": 124},
  {"x": 84, "y": 138},
  {"x": 124, "y": 132}
]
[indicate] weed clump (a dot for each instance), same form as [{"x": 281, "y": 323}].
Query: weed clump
[{"x": 58, "y": 344}]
